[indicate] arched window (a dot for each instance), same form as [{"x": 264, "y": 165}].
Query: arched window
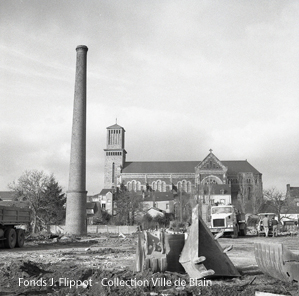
[
  {"x": 211, "y": 180},
  {"x": 159, "y": 188},
  {"x": 154, "y": 185},
  {"x": 189, "y": 187},
  {"x": 179, "y": 186},
  {"x": 129, "y": 186},
  {"x": 138, "y": 186},
  {"x": 184, "y": 185},
  {"x": 134, "y": 185}
]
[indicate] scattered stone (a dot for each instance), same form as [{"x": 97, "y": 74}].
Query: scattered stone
[
  {"x": 227, "y": 249},
  {"x": 65, "y": 239}
]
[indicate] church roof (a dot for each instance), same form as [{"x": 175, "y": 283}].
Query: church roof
[
  {"x": 237, "y": 166},
  {"x": 148, "y": 167}
]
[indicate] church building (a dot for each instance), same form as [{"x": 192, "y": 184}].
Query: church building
[{"x": 211, "y": 179}]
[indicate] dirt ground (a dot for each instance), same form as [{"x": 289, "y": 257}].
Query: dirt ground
[{"x": 95, "y": 265}]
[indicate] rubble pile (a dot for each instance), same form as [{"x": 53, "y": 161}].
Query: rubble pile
[
  {"x": 103, "y": 265},
  {"x": 93, "y": 282}
]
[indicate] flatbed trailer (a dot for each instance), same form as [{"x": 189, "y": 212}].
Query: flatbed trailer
[{"x": 10, "y": 218}]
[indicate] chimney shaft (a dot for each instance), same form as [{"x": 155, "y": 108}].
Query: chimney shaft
[{"x": 76, "y": 195}]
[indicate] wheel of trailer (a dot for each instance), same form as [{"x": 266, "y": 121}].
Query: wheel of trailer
[
  {"x": 11, "y": 238},
  {"x": 20, "y": 238}
]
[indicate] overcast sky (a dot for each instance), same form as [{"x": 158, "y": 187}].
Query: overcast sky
[{"x": 180, "y": 76}]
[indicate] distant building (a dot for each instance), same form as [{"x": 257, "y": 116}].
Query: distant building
[
  {"x": 291, "y": 210},
  {"x": 104, "y": 200},
  {"x": 91, "y": 210},
  {"x": 289, "y": 205},
  {"x": 155, "y": 212},
  {"x": 163, "y": 201},
  {"x": 210, "y": 179},
  {"x": 293, "y": 194}
]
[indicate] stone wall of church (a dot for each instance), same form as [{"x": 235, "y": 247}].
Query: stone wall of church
[
  {"x": 165, "y": 181},
  {"x": 109, "y": 160}
]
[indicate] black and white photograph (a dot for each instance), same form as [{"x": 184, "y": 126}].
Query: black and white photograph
[{"x": 149, "y": 147}]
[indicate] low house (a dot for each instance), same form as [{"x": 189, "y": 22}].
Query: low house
[
  {"x": 104, "y": 200},
  {"x": 290, "y": 211},
  {"x": 292, "y": 195},
  {"x": 154, "y": 212},
  {"x": 91, "y": 210},
  {"x": 163, "y": 201}
]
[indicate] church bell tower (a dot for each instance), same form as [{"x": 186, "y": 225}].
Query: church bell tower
[{"x": 115, "y": 155}]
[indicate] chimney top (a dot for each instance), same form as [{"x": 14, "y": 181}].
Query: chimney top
[{"x": 82, "y": 47}]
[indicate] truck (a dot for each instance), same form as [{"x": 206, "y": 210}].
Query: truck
[
  {"x": 227, "y": 219},
  {"x": 11, "y": 220}
]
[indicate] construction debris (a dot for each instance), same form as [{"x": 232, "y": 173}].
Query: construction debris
[
  {"x": 277, "y": 261},
  {"x": 111, "y": 259},
  {"x": 202, "y": 244},
  {"x": 200, "y": 256},
  {"x": 227, "y": 249}
]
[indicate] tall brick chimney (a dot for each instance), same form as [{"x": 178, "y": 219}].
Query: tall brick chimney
[{"x": 76, "y": 194}]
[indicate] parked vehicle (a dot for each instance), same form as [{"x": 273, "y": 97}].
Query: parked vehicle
[
  {"x": 228, "y": 219},
  {"x": 11, "y": 218},
  {"x": 289, "y": 224}
]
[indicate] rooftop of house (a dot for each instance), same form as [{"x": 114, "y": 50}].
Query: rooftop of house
[
  {"x": 268, "y": 207},
  {"x": 90, "y": 205},
  {"x": 104, "y": 192},
  {"x": 153, "y": 211},
  {"x": 289, "y": 210},
  {"x": 159, "y": 196}
]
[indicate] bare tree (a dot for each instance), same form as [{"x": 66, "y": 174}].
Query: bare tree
[
  {"x": 257, "y": 198},
  {"x": 127, "y": 205},
  {"x": 243, "y": 191},
  {"x": 276, "y": 198},
  {"x": 249, "y": 196},
  {"x": 183, "y": 206}
]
